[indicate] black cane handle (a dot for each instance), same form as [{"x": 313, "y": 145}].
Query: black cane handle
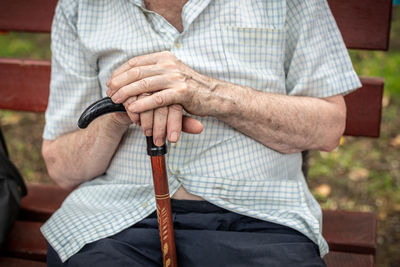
[
  {"x": 106, "y": 105},
  {"x": 98, "y": 108}
]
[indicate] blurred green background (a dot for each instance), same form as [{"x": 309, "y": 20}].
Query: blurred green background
[{"x": 363, "y": 174}]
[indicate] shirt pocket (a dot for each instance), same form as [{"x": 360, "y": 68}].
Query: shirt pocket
[{"x": 255, "y": 56}]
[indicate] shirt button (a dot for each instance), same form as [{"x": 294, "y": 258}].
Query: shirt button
[
  {"x": 177, "y": 44},
  {"x": 145, "y": 204}
]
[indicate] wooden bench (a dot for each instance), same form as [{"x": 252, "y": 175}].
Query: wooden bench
[{"x": 24, "y": 86}]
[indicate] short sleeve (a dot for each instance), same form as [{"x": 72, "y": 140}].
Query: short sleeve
[
  {"x": 74, "y": 75},
  {"x": 316, "y": 59}
]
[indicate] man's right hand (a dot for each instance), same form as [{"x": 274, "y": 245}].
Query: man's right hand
[{"x": 160, "y": 123}]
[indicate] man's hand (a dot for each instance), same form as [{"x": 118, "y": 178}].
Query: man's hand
[
  {"x": 156, "y": 122},
  {"x": 165, "y": 79},
  {"x": 157, "y": 86}
]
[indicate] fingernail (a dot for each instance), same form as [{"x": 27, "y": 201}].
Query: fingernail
[
  {"x": 174, "y": 137},
  {"x": 108, "y": 92},
  {"x": 148, "y": 132},
  {"x": 159, "y": 142}
]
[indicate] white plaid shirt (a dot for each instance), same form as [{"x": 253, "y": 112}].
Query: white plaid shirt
[{"x": 286, "y": 47}]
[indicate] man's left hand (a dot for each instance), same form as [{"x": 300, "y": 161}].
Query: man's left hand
[{"x": 168, "y": 80}]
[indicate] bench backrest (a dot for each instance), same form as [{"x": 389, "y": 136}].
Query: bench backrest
[{"x": 364, "y": 24}]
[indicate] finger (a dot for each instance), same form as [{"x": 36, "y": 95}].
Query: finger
[
  {"x": 131, "y": 63},
  {"x": 134, "y": 117},
  {"x": 146, "y": 120},
  {"x": 146, "y": 85},
  {"x": 174, "y": 123},
  {"x": 142, "y": 60},
  {"x": 162, "y": 98},
  {"x": 132, "y": 75},
  {"x": 160, "y": 125},
  {"x": 191, "y": 125}
]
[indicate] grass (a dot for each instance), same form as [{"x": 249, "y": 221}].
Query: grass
[
  {"x": 362, "y": 174},
  {"x": 381, "y": 64},
  {"x": 25, "y": 45}
]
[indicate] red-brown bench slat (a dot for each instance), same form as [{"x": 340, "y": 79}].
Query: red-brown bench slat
[
  {"x": 24, "y": 84},
  {"x": 26, "y": 241},
  {"x": 350, "y": 231},
  {"x": 348, "y": 259},
  {"x": 27, "y": 15},
  {"x": 42, "y": 201},
  {"x": 364, "y": 24},
  {"x": 364, "y": 108},
  {"x": 14, "y": 262}
]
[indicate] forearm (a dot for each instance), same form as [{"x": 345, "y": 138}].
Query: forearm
[
  {"x": 82, "y": 155},
  {"x": 284, "y": 123}
]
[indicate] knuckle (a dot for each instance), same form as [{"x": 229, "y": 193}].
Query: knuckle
[
  {"x": 176, "y": 107},
  {"x": 146, "y": 124},
  {"x": 177, "y": 76},
  {"x": 163, "y": 111},
  {"x": 129, "y": 107},
  {"x": 144, "y": 84},
  {"x": 181, "y": 76},
  {"x": 114, "y": 84},
  {"x": 146, "y": 121},
  {"x": 183, "y": 89},
  {"x": 130, "y": 101},
  {"x": 136, "y": 73},
  {"x": 132, "y": 62},
  {"x": 159, "y": 99},
  {"x": 167, "y": 64},
  {"x": 134, "y": 117},
  {"x": 122, "y": 93},
  {"x": 143, "y": 95}
]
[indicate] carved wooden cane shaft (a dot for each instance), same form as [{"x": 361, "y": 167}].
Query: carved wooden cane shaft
[{"x": 164, "y": 212}]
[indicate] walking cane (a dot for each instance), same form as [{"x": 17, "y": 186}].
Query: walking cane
[{"x": 163, "y": 201}]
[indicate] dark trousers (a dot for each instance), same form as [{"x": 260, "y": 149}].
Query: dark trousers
[{"x": 206, "y": 235}]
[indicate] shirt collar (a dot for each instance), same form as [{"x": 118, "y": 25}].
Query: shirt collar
[
  {"x": 139, "y": 3},
  {"x": 190, "y": 11}
]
